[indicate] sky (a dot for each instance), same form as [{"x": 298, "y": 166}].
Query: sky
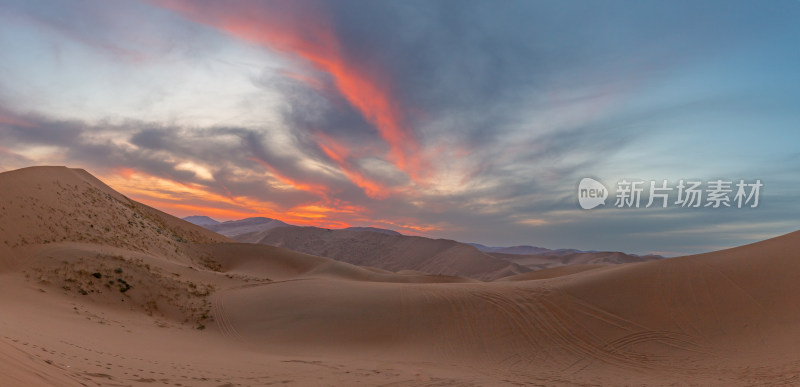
[{"x": 466, "y": 120}]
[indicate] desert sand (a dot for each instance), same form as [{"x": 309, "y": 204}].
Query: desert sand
[{"x": 96, "y": 289}]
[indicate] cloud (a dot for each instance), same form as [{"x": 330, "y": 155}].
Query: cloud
[
  {"x": 466, "y": 119},
  {"x": 302, "y": 31},
  {"x": 148, "y": 161}
]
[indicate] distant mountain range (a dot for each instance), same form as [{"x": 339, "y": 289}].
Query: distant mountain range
[
  {"x": 374, "y": 229},
  {"x": 247, "y": 230},
  {"x": 541, "y": 258},
  {"x": 201, "y": 220},
  {"x": 511, "y": 250},
  {"x": 391, "y": 250}
]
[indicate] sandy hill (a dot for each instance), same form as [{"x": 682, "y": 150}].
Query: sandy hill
[
  {"x": 65, "y": 228},
  {"x": 89, "y": 299},
  {"x": 393, "y": 252},
  {"x": 42, "y": 205}
]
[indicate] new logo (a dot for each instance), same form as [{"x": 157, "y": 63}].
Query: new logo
[{"x": 591, "y": 193}]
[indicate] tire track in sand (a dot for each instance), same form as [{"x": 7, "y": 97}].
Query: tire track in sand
[{"x": 221, "y": 318}]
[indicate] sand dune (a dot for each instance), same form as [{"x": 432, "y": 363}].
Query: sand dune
[
  {"x": 44, "y": 205},
  {"x": 709, "y": 319},
  {"x": 249, "y": 260},
  {"x": 393, "y": 252},
  {"x": 552, "y": 272},
  {"x": 200, "y": 310}
]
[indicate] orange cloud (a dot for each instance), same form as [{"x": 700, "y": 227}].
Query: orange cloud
[
  {"x": 127, "y": 173},
  {"x": 300, "y": 186},
  {"x": 170, "y": 194},
  {"x": 184, "y": 199},
  {"x": 186, "y": 209},
  {"x": 307, "y": 35},
  {"x": 415, "y": 229},
  {"x": 339, "y": 154}
]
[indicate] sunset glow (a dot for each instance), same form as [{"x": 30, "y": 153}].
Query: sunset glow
[{"x": 473, "y": 123}]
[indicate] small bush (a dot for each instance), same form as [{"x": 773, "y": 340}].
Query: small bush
[{"x": 123, "y": 286}]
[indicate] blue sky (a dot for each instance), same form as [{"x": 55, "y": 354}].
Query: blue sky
[{"x": 470, "y": 120}]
